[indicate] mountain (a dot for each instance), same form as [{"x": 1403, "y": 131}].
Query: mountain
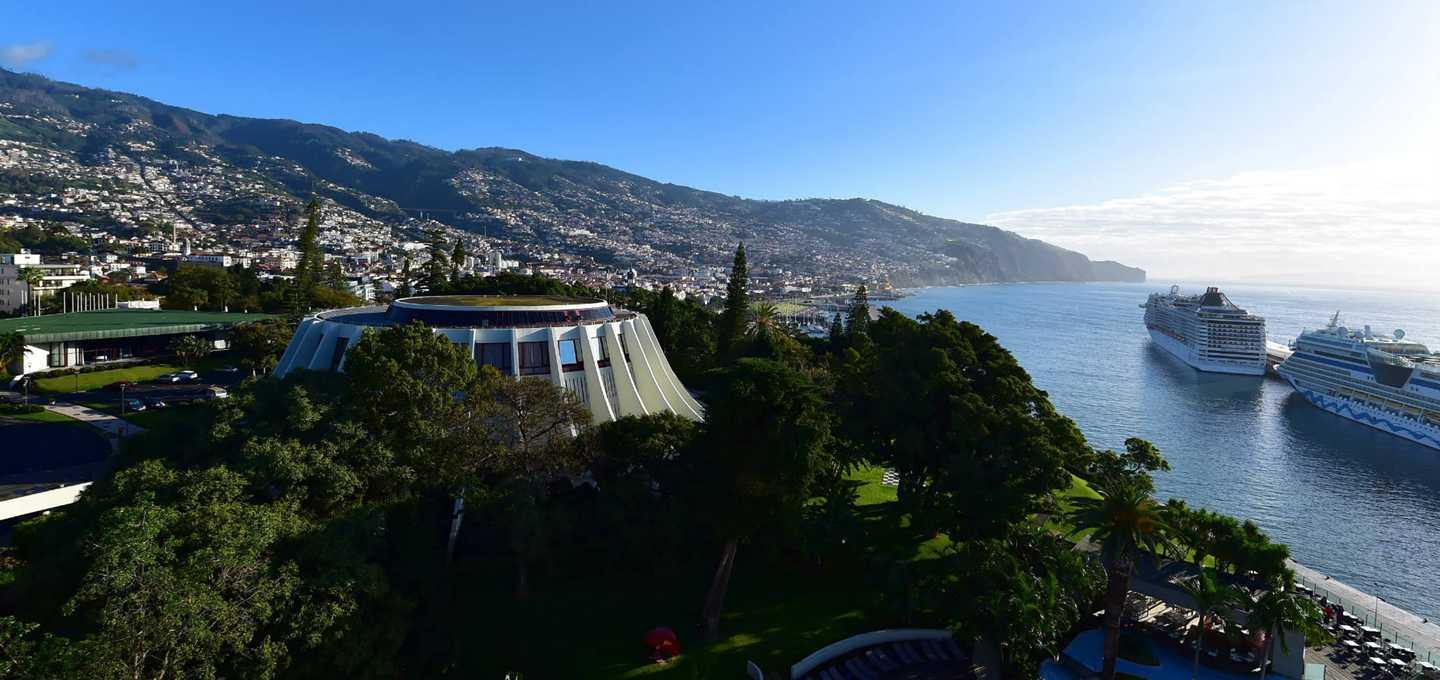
[{"x": 236, "y": 176}]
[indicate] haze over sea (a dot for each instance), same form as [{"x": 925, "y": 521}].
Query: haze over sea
[{"x": 1352, "y": 502}]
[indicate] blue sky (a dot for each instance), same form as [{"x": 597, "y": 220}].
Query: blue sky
[{"x": 1036, "y": 116}]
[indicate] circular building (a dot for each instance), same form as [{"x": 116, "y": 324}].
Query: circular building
[{"x": 609, "y": 358}]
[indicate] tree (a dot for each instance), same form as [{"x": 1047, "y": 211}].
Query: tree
[
  {"x": 12, "y": 351},
  {"x": 203, "y": 287},
  {"x": 405, "y": 289},
  {"x": 1209, "y": 595},
  {"x": 976, "y": 445},
  {"x": 180, "y": 578},
  {"x": 190, "y": 349},
  {"x": 260, "y": 343},
  {"x": 858, "y": 321},
  {"x": 1278, "y": 610},
  {"x": 335, "y": 277},
  {"x": 437, "y": 269},
  {"x": 457, "y": 260},
  {"x": 731, "y": 328},
  {"x": 32, "y": 277},
  {"x": 1123, "y": 521},
  {"x": 766, "y": 437},
  {"x": 837, "y": 334},
  {"x": 307, "y": 271},
  {"x": 535, "y": 426},
  {"x": 1024, "y": 592}
]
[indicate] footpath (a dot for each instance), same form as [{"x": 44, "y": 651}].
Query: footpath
[
  {"x": 1404, "y": 628},
  {"x": 112, "y": 426}
]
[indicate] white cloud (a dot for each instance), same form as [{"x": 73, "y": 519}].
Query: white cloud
[
  {"x": 1362, "y": 225},
  {"x": 18, "y": 55}
]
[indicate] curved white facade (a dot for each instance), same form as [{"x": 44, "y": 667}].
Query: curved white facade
[{"x": 610, "y": 360}]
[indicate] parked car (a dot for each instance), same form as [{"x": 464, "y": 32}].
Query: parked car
[
  {"x": 187, "y": 377},
  {"x": 216, "y": 393},
  {"x": 166, "y": 378},
  {"x": 133, "y": 405},
  {"x": 155, "y": 402}
]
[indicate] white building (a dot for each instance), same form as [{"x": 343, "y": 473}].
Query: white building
[
  {"x": 609, "y": 358},
  {"x": 15, "y": 292}
]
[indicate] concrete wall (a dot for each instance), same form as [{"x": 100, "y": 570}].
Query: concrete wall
[{"x": 645, "y": 384}]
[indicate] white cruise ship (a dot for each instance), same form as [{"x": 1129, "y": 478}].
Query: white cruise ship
[
  {"x": 1386, "y": 382},
  {"x": 1207, "y": 331}
]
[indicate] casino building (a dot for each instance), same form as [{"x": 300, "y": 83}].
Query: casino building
[{"x": 609, "y": 358}]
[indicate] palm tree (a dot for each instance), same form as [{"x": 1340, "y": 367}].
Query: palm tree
[
  {"x": 32, "y": 277},
  {"x": 12, "y": 350},
  {"x": 764, "y": 319},
  {"x": 1278, "y": 610},
  {"x": 1209, "y": 595},
  {"x": 1124, "y": 520}
]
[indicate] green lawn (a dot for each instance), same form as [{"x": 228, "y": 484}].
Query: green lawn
[
  {"x": 778, "y": 611},
  {"x": 41, "y": 417},
  {"x": 98, "y": 379}
]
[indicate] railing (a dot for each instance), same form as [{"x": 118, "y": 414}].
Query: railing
[{"x": 1367, "y": 612}]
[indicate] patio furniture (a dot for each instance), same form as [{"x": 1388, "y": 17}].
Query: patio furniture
[{"x": 1371, "y": 644}]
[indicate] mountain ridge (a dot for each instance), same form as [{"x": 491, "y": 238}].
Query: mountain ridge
[{"x": 520, "y": 199}]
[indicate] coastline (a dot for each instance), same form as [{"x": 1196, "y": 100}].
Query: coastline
[{"x": 1404, "y": 628}]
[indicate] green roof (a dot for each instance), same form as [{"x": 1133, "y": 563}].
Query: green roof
[
  {"x": 120, "y": 323},
  {"x": 499, "y": 300}
]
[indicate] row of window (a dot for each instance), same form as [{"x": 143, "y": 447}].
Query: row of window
[
  {"x": 535, "y": 356},
  {"x": 489, "y": 318}
]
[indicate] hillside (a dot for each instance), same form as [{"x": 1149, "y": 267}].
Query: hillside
[{"x": 239, "y": 177}]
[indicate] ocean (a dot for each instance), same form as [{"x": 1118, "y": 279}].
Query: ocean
[{"x": 1352, "y": 502}]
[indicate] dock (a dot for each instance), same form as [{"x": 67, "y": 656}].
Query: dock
[{"x": 1415, "y": 633}]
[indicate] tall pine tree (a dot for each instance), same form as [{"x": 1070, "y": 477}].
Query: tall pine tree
[
  {"x": 308, "y": 272},
  {"x": 731, "y": 332},
  {"x": 457, "y": 260},
  {"x": 858, "y": 321},
  {"x": 405, "y": 290},
  {"x": 437, "y": 270}
]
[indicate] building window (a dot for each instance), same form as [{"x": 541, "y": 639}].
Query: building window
[
  {"x": 496, "y": 354},
  {"x": 57, "y": 355},
  {"x": 534, "y": 358},
  {"x": 602, "y": 353},
  {"x": 339, "y": 354},
  {"x": 569, "y": 355}
]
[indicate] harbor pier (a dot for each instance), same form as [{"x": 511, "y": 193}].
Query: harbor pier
[{"x": 1403, "y": 628}]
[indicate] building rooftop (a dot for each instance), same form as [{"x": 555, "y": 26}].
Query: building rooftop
[
  {"x": 120, "y": 323},
  {"x": 499, "y": 301}
]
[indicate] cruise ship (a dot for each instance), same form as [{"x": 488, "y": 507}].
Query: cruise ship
[
  {"x": 1384, "y": 381},
  {"x": 1207, "y": 331}
]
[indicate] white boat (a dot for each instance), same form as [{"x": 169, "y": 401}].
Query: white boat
[
  {"x": 1384, "y": 381},
  {"x": 1207, "y": 331}
]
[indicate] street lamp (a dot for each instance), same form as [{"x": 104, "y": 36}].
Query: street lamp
[{"x": 122, "y": 399}]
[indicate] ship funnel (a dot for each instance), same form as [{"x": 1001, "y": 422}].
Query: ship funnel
[{"x": 1368, "y": 334}]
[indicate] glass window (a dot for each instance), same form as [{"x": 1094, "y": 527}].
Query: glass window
[
  {"x": 602, "y": 353},
  {"x": 534, "y": 358},
  {"x": 569, "y": 355},
  {"x": 495, "y": 354},
  {"x": 340, "y": 345}
]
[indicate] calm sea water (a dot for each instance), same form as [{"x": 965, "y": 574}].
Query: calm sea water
[{"x": 1355, "y": 503}]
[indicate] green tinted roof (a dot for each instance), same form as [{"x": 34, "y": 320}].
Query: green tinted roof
[
  {"x": 120, "y": 323},
  {"x": 499, "y": 300}
]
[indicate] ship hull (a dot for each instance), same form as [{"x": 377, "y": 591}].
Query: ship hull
[
  {"x": 1371, "y": 416},
  {"x": 1183, "y": 352}
]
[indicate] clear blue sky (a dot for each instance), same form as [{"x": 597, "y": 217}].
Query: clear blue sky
[{"x": 970, "y": 111}]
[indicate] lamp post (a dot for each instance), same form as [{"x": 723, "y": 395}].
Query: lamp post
[{"x": 122, "y": 400}]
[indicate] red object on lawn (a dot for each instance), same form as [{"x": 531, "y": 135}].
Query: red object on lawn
[{"x": 663, "y": 642}]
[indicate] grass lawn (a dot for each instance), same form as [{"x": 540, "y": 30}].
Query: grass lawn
[
  {"x": 92, "y": 381},
  {"x": 41, "y": 417},
  {"x": 778, "y": 611}
]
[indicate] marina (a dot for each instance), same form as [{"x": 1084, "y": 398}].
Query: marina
[{"x": 1353, "y": 503}]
